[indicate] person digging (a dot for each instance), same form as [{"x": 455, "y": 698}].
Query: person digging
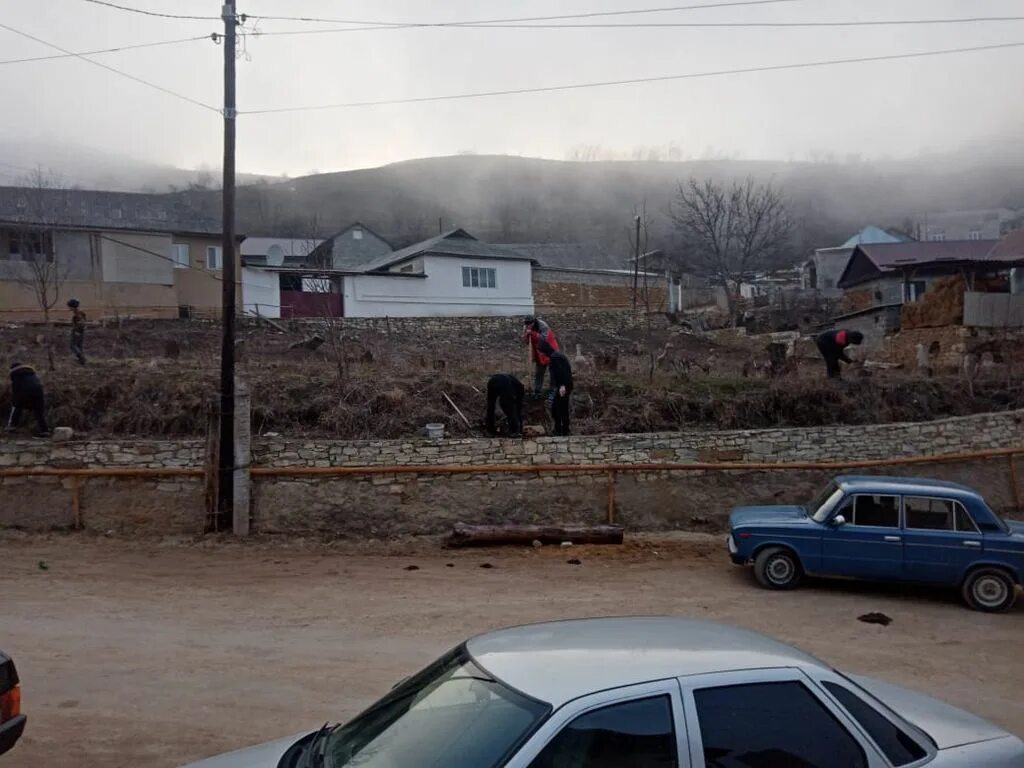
[
  {"x": 536, "y": 331},
  {"x": 507, "y": 392},
  {"x": 27, "y": 395},
  {"x": 833, "y": 344},
  {"x": 561, "y": 385}
]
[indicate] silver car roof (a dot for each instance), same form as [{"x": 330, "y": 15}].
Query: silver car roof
[{"x": 560, "y": 661}]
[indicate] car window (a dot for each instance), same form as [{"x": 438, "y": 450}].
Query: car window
[
  {"x": 896, "y": 745},
  {"x": 928, "y": 514},
  {"x": 964, "y": 521},
  {"x": 878, "y": 511},
  {"x": 638, "y": 734},
  {"x": 772, "y": 725}
]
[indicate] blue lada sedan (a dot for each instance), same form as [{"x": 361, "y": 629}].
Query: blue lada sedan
[{"x": 892, "y": 529}]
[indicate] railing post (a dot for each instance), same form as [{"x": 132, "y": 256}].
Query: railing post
[
  {"x": 76, "y": 503},
  {"x": 611, "y": 496}
]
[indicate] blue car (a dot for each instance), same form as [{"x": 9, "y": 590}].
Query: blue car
[{"x": 891, "y": 529}]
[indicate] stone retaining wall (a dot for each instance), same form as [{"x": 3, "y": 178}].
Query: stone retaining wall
[{"x": 394, "y": 503}]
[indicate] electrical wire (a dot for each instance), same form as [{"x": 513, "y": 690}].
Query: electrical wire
[
  {"x": 109, "y": 50},
  {"x": 632, "y": 81},
  {"x": 588, "y": 15},
  {"x": 158, "y": 14},
  {"x": 209, "y": 273},
  {"x": 747, "y": 24},
  {"x": 133, "y": 78}
]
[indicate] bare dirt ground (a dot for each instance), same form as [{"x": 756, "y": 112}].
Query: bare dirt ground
[{"x": 145, "y": 653}]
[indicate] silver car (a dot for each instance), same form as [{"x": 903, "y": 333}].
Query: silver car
[{"x": 640, "y": 693}]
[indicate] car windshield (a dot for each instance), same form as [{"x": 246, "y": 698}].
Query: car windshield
[
  {"x": 824, "y": 502},
  {"x": 451, "y": 715}
]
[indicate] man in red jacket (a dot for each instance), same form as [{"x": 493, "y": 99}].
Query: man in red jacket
[
  {"x": 833, "y": 344},
  {"x": 536, "y": 331}
]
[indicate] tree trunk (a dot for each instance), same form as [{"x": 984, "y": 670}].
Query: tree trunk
[{"x": 464, "y": 535}]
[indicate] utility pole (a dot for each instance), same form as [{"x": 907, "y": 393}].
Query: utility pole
[
  {"x": 636, "y": 260},
  {"x": 225, "y": 475}
]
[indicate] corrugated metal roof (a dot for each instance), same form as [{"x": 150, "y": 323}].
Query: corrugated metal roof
[
  {"x": 889, "y": 256},
  {"x": 583, "y": 255},
  {"x": 91, "y": 209},
  {"x": 457, "y": 243},
  {"x": 872, "y": 234},
  {"x": 1010, "y": 248}
]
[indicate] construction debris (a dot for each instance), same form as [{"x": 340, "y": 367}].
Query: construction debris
[{"x": 311, "y": 343}]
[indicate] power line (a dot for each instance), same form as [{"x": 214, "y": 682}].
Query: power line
[
  {"x": 209, "y": 273},
  {"x": 653, "y": 25},
  {"x": 744, "y": 24},
  {"x": 588, "y": 15},
  {"x": 110, "y": 50},
  {"x": 632, "y": 81},
  {"x": 157, "y": 14},
  {"x": 139, "y": 80}
]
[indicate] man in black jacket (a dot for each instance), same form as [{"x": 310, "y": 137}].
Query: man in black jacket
[
  {"x": 833, "y": 344},
  {"x": 506, "y": 390},
  {"x": 27, "y": 395},
  {"x": 561, "y": 383}
]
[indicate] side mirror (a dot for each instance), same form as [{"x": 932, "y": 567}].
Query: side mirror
[{"x": 838, "y": 521}]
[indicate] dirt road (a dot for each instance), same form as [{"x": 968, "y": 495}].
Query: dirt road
[{"x": 151, "y": 654}]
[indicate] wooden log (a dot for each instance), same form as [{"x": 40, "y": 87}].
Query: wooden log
[{"x": 464, "y": 535}]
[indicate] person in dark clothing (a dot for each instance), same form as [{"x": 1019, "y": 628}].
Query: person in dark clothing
[
  {"x": 561, "y": 383},
  {"x": 536, "y": 331},
  {"x": 77, "y": 331},
  {"x": 507, "y": 391},
  {"x": 833, "y": 344},
  {"x": 27, "y": 395}
]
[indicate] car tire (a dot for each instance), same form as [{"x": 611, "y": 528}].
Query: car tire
[
  {"x": 991, "y": 590},
  {"x": 778, "y": 568}
]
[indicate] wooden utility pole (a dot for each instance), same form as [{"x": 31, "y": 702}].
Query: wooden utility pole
[
  {"x": 225, "y": 475},
  {"x": 636, "y": 261}
]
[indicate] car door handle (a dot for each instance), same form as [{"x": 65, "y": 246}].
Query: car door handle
[
  {"x": 972, "y": 543},
  {"x": 892, "y": 538}
]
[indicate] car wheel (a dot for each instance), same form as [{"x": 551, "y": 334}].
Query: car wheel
[
  {"x": 990, "y": 590},
  {"x": 777, "y": 568}
]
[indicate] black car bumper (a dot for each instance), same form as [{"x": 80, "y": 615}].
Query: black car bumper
[{"x": 10, "y": 732}]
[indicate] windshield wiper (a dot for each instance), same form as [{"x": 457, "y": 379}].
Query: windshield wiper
[{"x": 314, "y": 754}]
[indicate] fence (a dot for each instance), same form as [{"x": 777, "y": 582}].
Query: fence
[
  {"x": 78, "y": 475},
  {"x": 993, "y": 310}
]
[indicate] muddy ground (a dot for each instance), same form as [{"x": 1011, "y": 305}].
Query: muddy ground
[
  {"x": 159, "y": 378},
  {"x": 151, "y": 654}
]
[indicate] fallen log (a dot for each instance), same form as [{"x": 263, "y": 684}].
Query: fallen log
[{"x": 464, "y": 535}]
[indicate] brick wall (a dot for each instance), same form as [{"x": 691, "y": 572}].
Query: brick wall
[
  {"x": 392, "y": 504},
  {"x": 554, "y": 289}
]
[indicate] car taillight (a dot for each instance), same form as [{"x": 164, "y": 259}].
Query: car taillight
[{"x": 10, "y": 704}]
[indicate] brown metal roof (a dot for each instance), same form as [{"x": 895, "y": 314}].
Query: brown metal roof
[
  {"x": 888, "y": 256},
  {"x": 1010, "y": 248}
]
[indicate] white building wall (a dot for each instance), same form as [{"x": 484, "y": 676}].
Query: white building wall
[
  {"x": 261, "y": 292},
  {"x": 441, "y": 293}
]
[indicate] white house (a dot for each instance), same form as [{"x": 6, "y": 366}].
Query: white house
[{"x": 449, "y": 275}]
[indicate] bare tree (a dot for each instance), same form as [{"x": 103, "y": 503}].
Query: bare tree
[
  {"x": 728, "y": 232},
  {"x": 43, "y": 204},
  {"x": 639, "y": 241}
]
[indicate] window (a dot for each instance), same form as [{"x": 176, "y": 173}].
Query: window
[
  {"x": 913, "y": 291},
  {"x": 937, "y": 237},
  {"x": 357, "y": 234},
  {"x": 928, "y": 514},
  {"x": 637, "y": 733},
  {"x": 772, "y": 725},
  {"x": 213, "y": 257},
  {"x": 27, "y": 245},
  {"x": 479, "y": 277},
  {"x": 828, "y": 282},
  {"x": 180, "y": 255},
  {"x": 878, "y": 511},
  {"x": 964, "y": 521},
  {"x": 975, "y": 234},
  {"x": 897, "y": 746}
]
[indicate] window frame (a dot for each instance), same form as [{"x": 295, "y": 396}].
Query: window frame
[
  {"x": 872, "y": 756},
  {"x": 957, "y": 506},
  {"x": 882, "y": 711},
  {"x": 217, "y": 253},
  {"x": 569, "y": 711},
  {"x": 851, "y": 498},
  {"x": 481, "y": 275},
  {"x": 178, "y": 248}
]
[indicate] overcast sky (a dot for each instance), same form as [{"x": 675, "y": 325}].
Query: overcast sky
[{"x": 877, "y": 110}]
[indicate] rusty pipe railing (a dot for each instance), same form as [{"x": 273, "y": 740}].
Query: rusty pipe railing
[{"x": 77, "y": 474}]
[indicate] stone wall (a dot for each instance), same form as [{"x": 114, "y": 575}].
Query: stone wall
[
  {"x": 394, "y": 503},
  {"x": 561, "y": 320},
  {"x": 556, "y": 289}
]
